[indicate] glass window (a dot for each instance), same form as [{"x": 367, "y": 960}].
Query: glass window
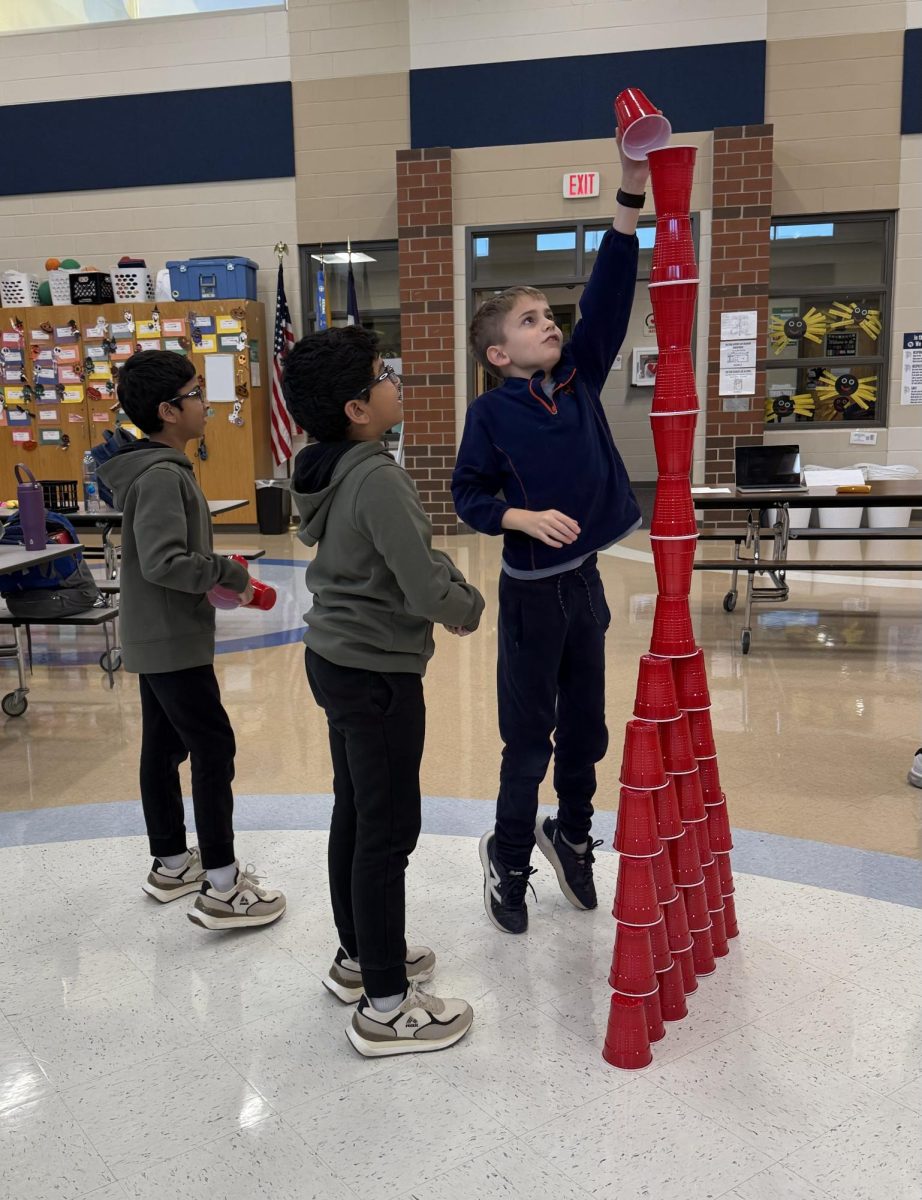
[
  {"x": 646, "y": 235},
  {"x": 377, "y": 288},
  {"x": 508, "y": 257},
  {"x": 828, "y": 335},
  {"x": 17, "y": 16}
]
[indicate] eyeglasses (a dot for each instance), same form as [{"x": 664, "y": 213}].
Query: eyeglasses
[
  {"x": 197, "y": 393},
  {"x": 387, "y": 373}
]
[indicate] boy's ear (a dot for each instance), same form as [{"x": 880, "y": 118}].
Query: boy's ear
[
  {"x": 356, "y": 412},
  {"x": 497, "y": 356}
]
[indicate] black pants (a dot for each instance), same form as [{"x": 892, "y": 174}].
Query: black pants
[
  {"x": 182, "y": 716},
  {"x": 550, "y": 680},
  {"x": 377, "y": 725}
]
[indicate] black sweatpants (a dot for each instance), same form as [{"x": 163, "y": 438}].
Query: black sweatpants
[
  {"x": 550, "y": 680},
  {"x": 377, "y": 726},
  {"x": 182, "y": 716}
]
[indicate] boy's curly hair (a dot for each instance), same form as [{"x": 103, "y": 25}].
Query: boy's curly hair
[
  {"x": 322, "y": 373},
  {"x": 487, "y": 326}
]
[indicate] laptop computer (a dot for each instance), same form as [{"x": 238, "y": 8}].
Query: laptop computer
[{"x": 769, "y": 469}]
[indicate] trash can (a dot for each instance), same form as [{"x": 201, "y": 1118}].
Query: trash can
[{"x": 273, "y": 505}]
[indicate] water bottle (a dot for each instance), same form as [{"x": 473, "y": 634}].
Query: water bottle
[
  {"x": 31, "y": 509},
  {"x": 90, "y": 484}
]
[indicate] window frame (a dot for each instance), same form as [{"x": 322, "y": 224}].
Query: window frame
[{"x": 305, "y": 252}]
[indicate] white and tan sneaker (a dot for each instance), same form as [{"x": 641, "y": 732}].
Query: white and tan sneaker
[
  {"x": 419, "y": 1023},
  {"x": 344, "y": 978},
  {"x": 166, "y": 885},
  {"x": 247, "y": 903}
]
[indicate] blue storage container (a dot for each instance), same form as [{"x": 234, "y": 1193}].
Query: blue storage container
[{"x": 217, "y": 278}]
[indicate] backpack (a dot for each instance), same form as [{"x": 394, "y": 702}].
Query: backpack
[
  {"x": 52, "y": 589},
  {"x": 111, "y": 445}
]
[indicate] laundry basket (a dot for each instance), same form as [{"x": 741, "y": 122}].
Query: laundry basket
[{"x": 18, "y": 290}]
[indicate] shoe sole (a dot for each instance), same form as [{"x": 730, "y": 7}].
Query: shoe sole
[
  {"x": 485, "y": 863},
  {"x": 386, "y": 1049},
  {"x": 353, "y": 995},
  {"x": 206, "y": 921},
  {"x": 914, "y": 779},
  {"x": 546, "y": 846},
  {"x": 165, "y": 895}
]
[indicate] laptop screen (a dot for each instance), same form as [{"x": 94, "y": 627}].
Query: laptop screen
[{"x": 767, "y": 466}]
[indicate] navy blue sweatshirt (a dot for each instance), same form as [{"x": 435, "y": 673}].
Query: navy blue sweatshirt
[{"x": 565, "y": 459}]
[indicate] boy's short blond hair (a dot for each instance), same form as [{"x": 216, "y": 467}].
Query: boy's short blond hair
[{"x": 487, "y": 326}]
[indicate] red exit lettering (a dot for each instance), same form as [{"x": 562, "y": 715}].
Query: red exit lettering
[{"x": 581, "y": 183}]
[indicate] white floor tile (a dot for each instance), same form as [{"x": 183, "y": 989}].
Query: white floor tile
[
  {"x": 640, "y": 1141},
  {"x": 267, "y": 1159},
  {"x": 563, "y": 1071},
  {"x": 104, "y": 1033},
  {"x": 862, "y": 1035},
  {"x": 769, "y": 1096},
  {"x": 396, "y": 1130},
  {"x": 21, "y": 1078},
  {"x": 776, "y": 1183},
  {"x": 877, "y": 1156},
  {"x": 44, "y": 1153},
  {"x": 910, "y": 1095},
  {"x": 511, "y": 1172},
  {"x": 156, "y": 1110}
]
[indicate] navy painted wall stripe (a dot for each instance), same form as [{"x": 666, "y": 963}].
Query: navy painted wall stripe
[
  {"x": 201, "y": 136},
  {"x": 911, "y": 121},
  {"x": 564, "y": 99}
]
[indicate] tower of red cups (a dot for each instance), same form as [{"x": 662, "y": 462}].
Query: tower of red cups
[{"x": 674, "y": 897}]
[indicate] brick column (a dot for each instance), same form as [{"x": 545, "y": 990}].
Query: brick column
[
  {"x": 427, "y": 326},
  {"x": 742, "y": 210}
]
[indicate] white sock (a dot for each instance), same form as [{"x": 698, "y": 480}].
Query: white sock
[
  {"x": 386, "y": 1003},
  {"x": 222, "y": 879},
  {"x": 173, "y": 862},
  {"x": 577, "y": 849}
]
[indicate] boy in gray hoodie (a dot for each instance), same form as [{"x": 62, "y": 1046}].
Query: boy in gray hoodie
[
  {"x": 377, "y": 588},
  {"x": 168, "y": 638}
]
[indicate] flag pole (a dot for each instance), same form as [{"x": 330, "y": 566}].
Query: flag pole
[{"x": 281, "y": 249}]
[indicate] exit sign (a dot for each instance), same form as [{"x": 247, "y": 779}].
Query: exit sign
[{"x": 577, "y": 185}]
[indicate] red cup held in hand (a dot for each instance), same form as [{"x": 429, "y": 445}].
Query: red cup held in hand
[
  {"x": 672, "y": 171},
  {"x": 643, "y": 127},
  {"x": 264, "y": 596}
]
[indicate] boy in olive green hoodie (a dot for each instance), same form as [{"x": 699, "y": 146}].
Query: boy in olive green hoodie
[
  {"x": 168, "y": 638},
  {"x": 377, "y": 588}
]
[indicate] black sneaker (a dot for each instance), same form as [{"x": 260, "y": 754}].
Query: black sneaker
[
  {"x": 574, "y": 871},
  {"x": 504, "y": 890}
]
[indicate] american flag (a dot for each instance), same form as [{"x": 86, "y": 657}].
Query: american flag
[{"x": 280, "y": 424}]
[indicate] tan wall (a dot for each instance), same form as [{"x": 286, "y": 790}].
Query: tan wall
[
  {"x": 792, "y": 19},
  {"x": 338, "y": 39}
]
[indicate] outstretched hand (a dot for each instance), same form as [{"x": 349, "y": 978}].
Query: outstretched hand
[{"x": 634, "y": 172}]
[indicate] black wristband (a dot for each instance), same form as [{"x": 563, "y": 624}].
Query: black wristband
[{"x": 631, "y": 199}]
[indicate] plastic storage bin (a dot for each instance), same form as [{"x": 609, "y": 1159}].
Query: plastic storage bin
[
  {"x": 91, "y": 287},
  {"x": 132, "y": 284},
  {"x": 213, "y": 279},
  {"x": 18, "y": 290},
  {"x": 59, "y": 282}
]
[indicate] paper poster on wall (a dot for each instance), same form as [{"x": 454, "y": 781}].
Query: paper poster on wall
[
  {"x": 75, "y": 418},
  {"x": 11, "y": 356},
  {"x": 207, "y": 345},
  {"x": 14, "y": 395},
  {"x": 101, "y": 372},
  {"x": 175, "y": 326},
  {"x": 148, "y": 329},
  {"x": 72, "y": 395},
  {"x": 149, "y": 344},
  {"x": 66, "y": 354},
  {"x": 42, "y": 357},
  {"x": 219, "y": 379},
  {"x": 17, "y": 416},
  {"x": 736, "y": 326},
  {"x": 122, "y": 351},
  {"x": 122, "y": 328},
  {"x": 95, "y": 352},
  {"x": 95, "y": 333},
  {"x": 228, "y": 324},
  {"x": 101, "y": 417},
  {"x": 228, "y": 343},
  {"x": 39, "y": 335},
  {"x": 12, "y": 338},
  {"x": 174, "y": 345},
  {"x": 737, "y": 383},
  {"x": 65, "y": 334},
  {"x": 46, "y": 376},
  {"x": 21, "y": 435},
  {"x": 203, "y": 324},
  {"x": 737, "y": 355},
  {"x": 911, "y": 391},
  {"x": 49, "y": 437},
  {"x": 68, "y": 375},
  {"x": 47, "y": 414}
]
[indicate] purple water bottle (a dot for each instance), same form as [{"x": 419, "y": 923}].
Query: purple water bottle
[{"x": 31, "y": 509}]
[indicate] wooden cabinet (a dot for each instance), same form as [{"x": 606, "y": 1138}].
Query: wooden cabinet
[{"x": 237, "y": 455}]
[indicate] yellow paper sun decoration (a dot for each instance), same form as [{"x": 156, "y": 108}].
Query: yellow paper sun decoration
[
  {"x": 777, "y": 407},
  {"x": 835, "y": 393},
  {"x": 784, "y": 333},
  {"x": 848, "y": 316}
]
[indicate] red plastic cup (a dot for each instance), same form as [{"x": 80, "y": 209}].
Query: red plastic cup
[
  {"x": 675, "y": 389},
  {"x": 719, "y": 828},
  {"x": 673, "y": 636},
  {"x": 655, "y": 699},
  {"x": 673, "y": 509},
  {"x": 674, "y": 441},
  {"x": 677, "y": 931},
  {"x": 642, "y": 762},
  {"x": 733, "y": 929},
  {"x": 636, "y": 832},
  {"x": 672, "y": 993},
  {"x": 703, "y": 953},
  {"x": 702, "y": 733},
  {"x": 673, "y": 560},
  {"x": 691, "y": 801},
  {"x": 662, "y": 875},
  {"x": 691, "y": 683},
  {"x": 635, "y": 893},
  {"x": 673, "y": 246},
  {"x": 727, "y": 886},
  {"x": 680, "y": 272},
  {"x": 656, "y": 1030},
  {"x": 264, "y": 596},
  {"x": 672, "y": 171},
  {"x": 687, "y": 962},
  {"x": 668, "y": 816},
  {"x": 659, "y": 944},
  {"x": 673, "y": 313},
  {"x": 710, "y": 782},
  {"x": 643, "y": 127},
  {"x": 676, "y": 743},
  {"x": 696, "y": 906},
  {"x": 686, "y": 864},
  {"x": 627, "y": 1042},
  {"x": 719, "y": 933},
  {"x": 632, "y": 971},
  {"x": 712, "y": 887},
  {"x": 704, "y": 844}
]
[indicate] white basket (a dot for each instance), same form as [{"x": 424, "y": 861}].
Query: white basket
[
  {"x": 59, "y": 282},
  {"x": 131, "y": 284},
  {"x": 18, "y": 290}
]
